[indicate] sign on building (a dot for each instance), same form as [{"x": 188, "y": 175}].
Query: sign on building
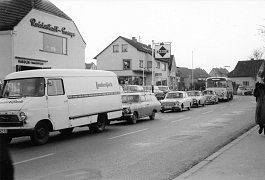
[{"x": 162, "y": 51}]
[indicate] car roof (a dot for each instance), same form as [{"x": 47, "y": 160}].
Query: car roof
[{"x": 136, "y": 93}]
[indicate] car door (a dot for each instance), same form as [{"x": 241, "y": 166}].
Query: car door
[
  {"x": 57, "y": 103},
  {"x": 143, "y": 106}
]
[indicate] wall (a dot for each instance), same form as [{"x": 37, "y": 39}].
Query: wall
[
  {"x": 239, "y": 80},
  {"x": 6, "y": 54},
  {"x": 28, "y": 41}
]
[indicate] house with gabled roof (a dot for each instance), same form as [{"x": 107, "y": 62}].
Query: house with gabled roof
[
  {"x": 132, "y": 62},
  {"x": 35, "y": 34},
  {"x": 185, "y": 76},
  {"x": 219, "y": 72},
  {"x": 246, "y": 72}
]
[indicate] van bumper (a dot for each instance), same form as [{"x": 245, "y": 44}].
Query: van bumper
[{"x": 16, "y": 131}]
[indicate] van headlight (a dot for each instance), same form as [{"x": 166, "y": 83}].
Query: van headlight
[{"x": 22, "y": 116}]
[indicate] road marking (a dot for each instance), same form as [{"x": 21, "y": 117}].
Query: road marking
[
  {"x": 181, "y": 119},
  {"x": 32, "y": 159},
  {"x": 128, "y": 133},
  {"x": 207, "y": 112}
]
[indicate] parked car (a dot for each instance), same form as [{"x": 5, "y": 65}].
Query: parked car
[
  {"x": 138, "y": 105},
  {"x": 198, "y": 99},
  {"x": 133, "y": 88},
  {"x": 158, "y": 93},
  {"x": 211, "y": 96},
  {"x": 244, "y": 91},
  {"x": 176, "y": 100},
  {"x": 165, "y": 89}
]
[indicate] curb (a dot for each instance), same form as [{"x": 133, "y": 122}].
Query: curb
[{"x": 209, "y": 159}]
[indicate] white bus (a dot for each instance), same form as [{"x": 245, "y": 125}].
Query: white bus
[{"x": 222, "y": 86}]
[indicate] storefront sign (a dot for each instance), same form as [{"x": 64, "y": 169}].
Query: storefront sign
[
  {"x": 22, "y": 61},
  {"x": 50, "y": 27}
]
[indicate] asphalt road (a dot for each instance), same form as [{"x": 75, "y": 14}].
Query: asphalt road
[{"x": 159, "y": 149}]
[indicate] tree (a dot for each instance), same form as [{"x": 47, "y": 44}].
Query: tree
[{"x": 257, "y": 54}]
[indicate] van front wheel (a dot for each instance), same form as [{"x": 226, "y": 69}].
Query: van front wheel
[
  {"x": 40, "y": 134},
  {"x": 99, "y": 126}
]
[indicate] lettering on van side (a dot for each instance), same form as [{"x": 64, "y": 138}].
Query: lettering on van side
[
  {"x": 92, "y": 95},
  {"x": 12, "y": 102},
  {"x": 106, "y": 84}
]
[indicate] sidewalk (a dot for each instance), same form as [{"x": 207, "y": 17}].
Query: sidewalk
[{"x": 242, "y": 159}]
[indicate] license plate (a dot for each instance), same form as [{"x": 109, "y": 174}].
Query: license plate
[{"x": 3, "y": 131}]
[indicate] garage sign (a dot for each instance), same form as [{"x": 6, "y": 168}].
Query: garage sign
[{"x": 162, "y": 51}]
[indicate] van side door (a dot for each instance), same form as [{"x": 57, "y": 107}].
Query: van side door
[{"x": 57, "y": 103}]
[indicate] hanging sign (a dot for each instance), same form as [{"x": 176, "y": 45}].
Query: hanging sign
[{"x": 162, "y": 51}]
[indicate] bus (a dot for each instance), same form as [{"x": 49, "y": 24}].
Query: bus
[{"x": 222, "y": 86}]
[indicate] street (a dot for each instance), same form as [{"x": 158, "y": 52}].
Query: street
[{"x": 151, "y": 149}]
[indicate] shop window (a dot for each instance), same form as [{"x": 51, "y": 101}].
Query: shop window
[
  {"x": 115, "y": 48},
  {"x": 126, "y": 64},
  {"x": 141, "y": 63},
  {"x": 125, "y": 48},
  {"x": 54, "y": 44}
]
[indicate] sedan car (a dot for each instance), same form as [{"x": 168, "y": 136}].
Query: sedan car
[
  {"x": 133, "y": 88},
  {"x": 176, "y": 100},
  {"x": 138, "y": 105},
  {"x": 211, "y": 96},
  {"x": 244, "y": 91},
  {"x": 198, "y": 99},
  {"x": 158, "y": 93}
]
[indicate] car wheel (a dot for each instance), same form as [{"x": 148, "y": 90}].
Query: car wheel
[
  {"x": 152, "y": 117},
  {"x": 134, "y": 118},
  {"x": 41, "y": 134},
  {"x": 100, "y": 125}
]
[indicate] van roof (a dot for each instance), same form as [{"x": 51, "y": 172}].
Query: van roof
[{"x": 59, "y": 73}]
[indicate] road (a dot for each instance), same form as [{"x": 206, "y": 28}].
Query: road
[{"x": 159, "y": 149}]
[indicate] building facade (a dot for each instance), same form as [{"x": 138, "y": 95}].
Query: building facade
[
  {"x": 246, "y": 73},
  {"x": 41, "y": 36},
  {"x": 132, "y": 62}
]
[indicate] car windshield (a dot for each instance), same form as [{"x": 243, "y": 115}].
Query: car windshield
[
  {"x": 218, "y": 82},
  {"x": 16, "y": 88},
  {"x": 193, "y": 94},
  {"x": 174, "y": 95},
  {"x": 208, "y": 92},
  {"x": 163, "y": 88},
  {"x": 130, "y": 98},
  {"x": 133, "y": 88}
]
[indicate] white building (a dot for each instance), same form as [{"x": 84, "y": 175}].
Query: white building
[
  {"x": 132, "y": 60},
  {"x": 35, "y": 34}
]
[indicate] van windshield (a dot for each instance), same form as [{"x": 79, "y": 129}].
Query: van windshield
[{"x": 28, "y": 87}]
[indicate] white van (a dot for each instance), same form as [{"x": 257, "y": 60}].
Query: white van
[{"x": 37, "y": 102}]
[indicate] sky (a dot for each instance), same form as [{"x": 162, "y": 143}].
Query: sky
[{"x": 203, "y": 34}]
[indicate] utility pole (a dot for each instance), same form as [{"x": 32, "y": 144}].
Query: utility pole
[{"x": 192, "y": 70}]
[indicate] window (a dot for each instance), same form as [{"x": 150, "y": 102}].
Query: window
[
  {"x": 158, "y": 65},
  {"x": 125, "y": 48},
  {"x": 245, "y": 83},
  {"x": 54, "y": 44},
  {"x": 141, "y": 63},
  {"x": 126, "y": 64},
  {"x": 149, "y": 64},
  {"x": 164, "y": 66},
  {"x": 55, "y": 87},
  {"x": 115, "y": 48}
]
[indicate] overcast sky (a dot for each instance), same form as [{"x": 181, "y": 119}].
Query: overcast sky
[{"x": 219, "y": 33}]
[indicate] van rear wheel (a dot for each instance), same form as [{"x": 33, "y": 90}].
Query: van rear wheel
[
  {"x": 41, "y": 134},
  {"x": 100, "y": 125}
]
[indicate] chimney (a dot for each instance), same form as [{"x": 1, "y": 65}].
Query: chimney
[{"x": 134, "y": 39}]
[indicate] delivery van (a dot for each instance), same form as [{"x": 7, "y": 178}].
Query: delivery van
[{"x": 36, "y": 102}]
